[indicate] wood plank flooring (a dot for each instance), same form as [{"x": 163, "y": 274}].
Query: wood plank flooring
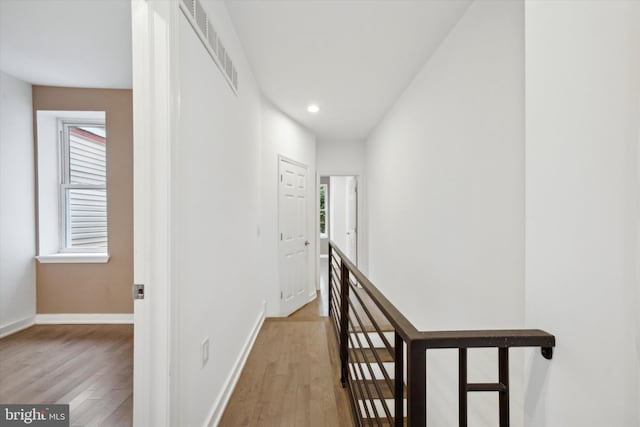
[
  {"x": 89, "y": 367},
  {"x": 291, "y": 377}
]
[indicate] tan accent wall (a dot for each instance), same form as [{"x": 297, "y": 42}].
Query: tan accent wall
[{"x": 96, "y": 288}]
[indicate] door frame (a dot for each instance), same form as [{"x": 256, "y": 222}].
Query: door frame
[
  {"x": 281, "y": 158},
  {"x": 357, "y": 227},
  {"x": 155, "y": 109},
  {"x": 358, "y": 201},
  {"x": 359, "y": 219}
]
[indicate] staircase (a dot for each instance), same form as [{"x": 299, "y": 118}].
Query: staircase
[
  {"x": 383, "y": 356},
  {"x": 371, "y": 376}
]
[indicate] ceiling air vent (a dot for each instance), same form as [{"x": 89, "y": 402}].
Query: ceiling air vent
[
  {"x": 201, "y": 17},
  {"x": 201, "y": 24},
  {"x": 189, "y": 6},
  {"x": 229, "y": 68},
  {"x": 212, "y": 37},
  {"x": 222, "y": 54}
]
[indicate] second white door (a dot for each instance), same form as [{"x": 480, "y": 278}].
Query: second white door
[
  {"x": 343, "y": 214},
  {"x": 352, "y": 218}
]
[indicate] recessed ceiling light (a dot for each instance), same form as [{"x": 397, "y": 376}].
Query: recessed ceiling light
[{"x": 313, "y": 108}]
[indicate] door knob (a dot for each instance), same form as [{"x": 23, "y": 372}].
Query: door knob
[{"x": 307, "y": 243}]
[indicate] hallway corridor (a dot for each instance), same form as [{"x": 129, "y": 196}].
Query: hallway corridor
[{"x": 292, "y": 375}]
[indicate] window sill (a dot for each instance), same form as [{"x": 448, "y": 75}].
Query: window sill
[{"x": 76, "y": 258}]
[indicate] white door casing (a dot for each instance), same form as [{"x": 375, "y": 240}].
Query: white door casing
[
  {"x": 293, "y": 235},
  {"x": 154, "y": 108},
  {"x": 343, "y": 214},
  {"x": 352, "y": 218}
]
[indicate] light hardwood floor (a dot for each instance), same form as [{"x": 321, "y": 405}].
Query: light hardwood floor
[
  {"x": 292, "y": 375},
  {"x": 89, "y": 367}
]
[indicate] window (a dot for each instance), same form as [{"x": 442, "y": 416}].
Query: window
[
  {"x": 83, "y": 186},
  {"x": 323, "y": 211},
  {"x": 72, "y": 186}
]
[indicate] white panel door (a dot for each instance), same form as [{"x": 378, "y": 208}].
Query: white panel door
[{"x": 293, "y": 236}]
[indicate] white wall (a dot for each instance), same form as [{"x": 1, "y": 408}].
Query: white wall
[
  {"x": 215, "y": 218},
  {"x": 17, "y": 211},
  {"x": 283, "y": 136},
  {"x": 582, "y": 95},
  {"x": 224, "y": 216},
  {"x": 445, "y": 195},
  {"x": 340, "y": 157}
]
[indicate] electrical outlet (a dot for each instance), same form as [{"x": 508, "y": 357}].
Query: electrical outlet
[{"x": 204, "y": 351}]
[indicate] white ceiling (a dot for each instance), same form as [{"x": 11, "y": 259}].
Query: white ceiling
[
  {"x": 76, "y": 43},
  {"x": 351, "y": 57}
]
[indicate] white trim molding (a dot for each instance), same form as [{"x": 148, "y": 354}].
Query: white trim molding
[
  {"x": 230, "y": 384},
  {"x": 84, "y": 318},
  {"x": 73, "y": 258},
  {"x": 313, "y": 295},
  {"x": 17, "y": 326}
]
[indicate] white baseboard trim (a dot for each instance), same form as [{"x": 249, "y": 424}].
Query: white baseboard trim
[
  {"x": 230, "y": 384},
  {"x": 17, "y": 326},
  {"x": 312, "y": 296},
  {"x": 84, "y": 318}
]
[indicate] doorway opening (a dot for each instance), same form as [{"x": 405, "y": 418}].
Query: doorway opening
[
  {"x": 338, "y": 220},
  {"x": 338, "y": 214}
]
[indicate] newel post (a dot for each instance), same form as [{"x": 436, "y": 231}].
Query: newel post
[
  {"x": 417, "y": 384},
  {"x": 344, "y": 321}
]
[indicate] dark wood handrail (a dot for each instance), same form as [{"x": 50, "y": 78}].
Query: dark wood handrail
[
  {"x": 488, "y": 338},
  {"x": 416, "y": 343},
  {"x": 401, "y": 324},
  {"x": 446, "y": 339}
]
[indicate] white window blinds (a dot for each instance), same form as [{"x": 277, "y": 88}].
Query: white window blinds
[{"x": 85, "y": 186}]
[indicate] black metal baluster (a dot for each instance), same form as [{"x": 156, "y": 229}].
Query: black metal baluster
[
  {"x": 399, "y": 381},
  {"x": 330, "y": 279},
  {"x": 344, "y": 320},
  {"x": 462, "y": 387},
  {"x": 503, "y": 378}
]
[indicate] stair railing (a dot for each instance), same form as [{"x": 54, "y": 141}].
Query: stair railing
[{"x": 366, "y": 325}]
